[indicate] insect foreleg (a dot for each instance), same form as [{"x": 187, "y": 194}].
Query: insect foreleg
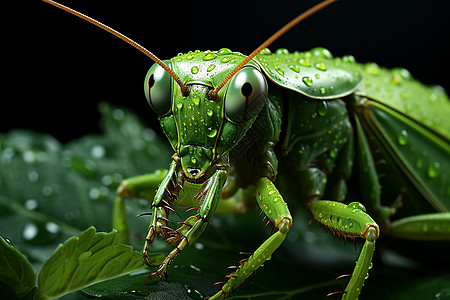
[
  {"x": 142, "y": 186},
  {"x": 194, "y": 226},
  {"x": 362, "y": 267},
  {"x": 349, "y": 221},
  {"x": 272, "y": 204}
]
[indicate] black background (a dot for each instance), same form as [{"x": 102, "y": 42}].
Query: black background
[{"x": 58, "y": 67}]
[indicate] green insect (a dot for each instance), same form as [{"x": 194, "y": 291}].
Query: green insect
[{"x": 233, "y": 121}]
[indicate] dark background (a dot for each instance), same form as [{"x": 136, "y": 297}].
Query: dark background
[{"x": 59, "y": 67}]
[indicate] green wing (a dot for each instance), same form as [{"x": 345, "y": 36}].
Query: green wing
[
  {"x": 412, "y": 122},
  {"x": 396, "y": 88}
]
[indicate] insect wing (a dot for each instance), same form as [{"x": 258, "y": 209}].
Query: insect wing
[{"x": 411, "y": 122}]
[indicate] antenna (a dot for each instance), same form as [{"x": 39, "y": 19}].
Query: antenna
[
  {"x": 270, "y": 40},
  {"x": 184, "y": 88}
]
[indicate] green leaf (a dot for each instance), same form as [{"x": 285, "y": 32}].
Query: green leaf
[
  {"x": 51, "y": 191},
  {"x": 81, "y": 261},
  {"x": 15, "y": 271}
]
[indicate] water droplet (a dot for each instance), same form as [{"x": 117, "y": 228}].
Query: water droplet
[
  {"x": 40, "y": 233},
  {"x": 196, "y": 99},
  {"x": 210, "y": 68},
  {"x": 30, "y": 231},
  {"x": 193, "y": 159},
  {"x": 294, "y": 68},
  {"x": 196, "y": 269},
  {"x": 372, "y": 68},
  {"x": 199, "y": 246},
  {"x": 209, "y": 56},
  {"x": 322, "y": 108},
  {"x": 33, "y": 176},
  {"x": 271, "y": 192},
  {"x": 224, "y": 51},
  {"x": 278, "y": 69},
  {"x": 356, "y": 206},
  {"x": 433, "y": 169},
  {"x": 211, "y": 132},
  {"x": 225, "y": 59},
  {"x": 47, "y": 190},
  {"x": 443, "y": 294},
  {"x": 118, "y": 114},
  {"x": 320, "y": 66},
  {"x": 304, "y": 62},
  {"x": 98, "y": 151},
  {"x": 282, "y": 51},
  {"x": 194, "y": 70},
  {"x": 179, "y": 104},
  {"x": 94, "y": 193},
  {"x": 209, "y": 112},
  {"x": 265, "y": 51},
  {"x": 322, "y": 91},
  {"x": 190, "y": 56},
  {"x": 307, "y": 80},
  {"x": 403, "y": 137},
  {"x": 301, "y": 150},
  {"x": 31, "y": 204},
  {"x": 334, "y": 152},
  {"x": 321, "y": 52},
  {"x": 348, "y": 59},
  {"x": 193, "y": 293},
  {"x": 52, "y": 227}
]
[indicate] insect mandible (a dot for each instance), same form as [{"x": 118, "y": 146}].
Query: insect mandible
[{"x": 230, "y": 127}]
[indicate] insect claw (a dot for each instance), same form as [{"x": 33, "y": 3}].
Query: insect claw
[
  {"x": 336, "y": 293},
  {"x": 219, "y": 282},
  {"x": 246, "y": 253},
  {"x": 233, "y": 267}
]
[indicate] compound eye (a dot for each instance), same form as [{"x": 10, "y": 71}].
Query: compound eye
[
  {"x": 157, "y": 89},
  {"x": 246, "y": 95}
]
